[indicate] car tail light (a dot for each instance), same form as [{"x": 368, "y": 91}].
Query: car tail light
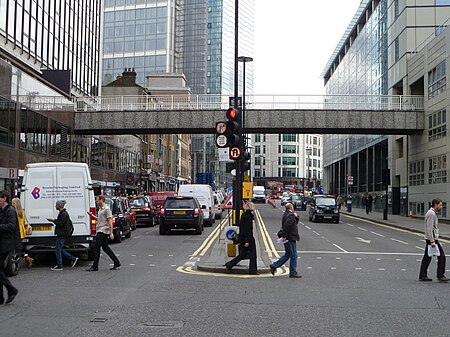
[
  {"x": 92, "y": 221},
  {"x": 162, "y": 212},
  {"x": 146, "y": 208},
  {"x": 196, "y": 212},
  {"x": 209, "y": 209}
]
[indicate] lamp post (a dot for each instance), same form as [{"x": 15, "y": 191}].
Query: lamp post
[
  {"x": 260, "y": 166},
  {"x": 308, "y": 176},
  {"x": 244, "y": 60}
]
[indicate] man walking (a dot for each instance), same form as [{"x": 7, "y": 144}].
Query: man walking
[
  {"x": 63, "y": 230},
  {"x": 8, "y": 236},
  {"x": 104, "y": 231},
  {"x": 289, "y": 232},
  {"x": 431, "y": 237}
]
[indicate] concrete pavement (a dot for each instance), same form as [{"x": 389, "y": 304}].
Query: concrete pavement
[
  {"x": 217, "y": 254},
  {"x": 414, "y": 224}
]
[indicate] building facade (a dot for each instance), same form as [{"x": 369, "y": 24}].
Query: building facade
[
  {"x": 295, "y": 160},
  {"x": 372, "y": 59}
]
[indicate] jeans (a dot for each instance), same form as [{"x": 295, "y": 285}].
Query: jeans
[
  {"x": 101, "y": 241},
  {"x": 427, "y": 259},
  {"x": 290, "y": 248},
  {"x": 3, "y": 279},
  {"x": 60, "y": 252}
]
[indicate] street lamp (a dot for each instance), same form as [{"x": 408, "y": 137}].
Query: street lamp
[
  {"x": 308, "y": 175},
  {"x": 244, "y": 59}
]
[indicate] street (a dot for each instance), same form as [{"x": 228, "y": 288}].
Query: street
[{"x": 359, "y": 279}]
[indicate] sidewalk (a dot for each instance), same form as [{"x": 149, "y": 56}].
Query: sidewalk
[
  {"x": 412, "y": 224},
  {"x": 214, "y": 263}
]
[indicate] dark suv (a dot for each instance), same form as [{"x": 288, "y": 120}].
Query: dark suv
[
  {"x": 181, "y": 213},
  {"x": 144, "y": 210},
  {"x": 121, "y": 221},
  {"x": 323, "y": 207}
]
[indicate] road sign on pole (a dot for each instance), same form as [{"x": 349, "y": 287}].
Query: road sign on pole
[
  {"x": 235, "y": 152},
  {"x": 350, "y": 180},
  {"x": 221, "y": 141}
]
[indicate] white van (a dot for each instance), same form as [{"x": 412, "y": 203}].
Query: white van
[
  {"x": 259, "y": 194},
  {"x": 205, "y": 197},
  {"x": 44, "y": 184}
]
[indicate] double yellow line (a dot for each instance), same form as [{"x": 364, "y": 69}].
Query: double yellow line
[
  {"x": 201, "y": 251},
  {"x": 268, "y": 243}
]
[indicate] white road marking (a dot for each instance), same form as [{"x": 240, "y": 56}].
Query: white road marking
[
  {"x": 333, "y": 268},
  {"x": 378, "y": 234},
  {"x": 151, "y": 264},
  {"x": 403, "y": 269},
  {"x": 359, "y": 259},
  {"x": 132, "y": 264},
  {"x": 349, "y": 224},
  {"x": 420, "y": 248},
  {"x": 362, "y": 240},
  {"x": 358, "y": 268},
  {"x": 173, "y": 265},
  {"x": 150, "y": 255},
  {"x": 308, "y": 227},
  {"x": 381, "y": 269},
  {"x": 363, "y": 229},
  {"x": 134, "y": 255},
  {"x": 137, "y": 237},
  {"x": 339, "y": 248},
  {"x": 398, "y": 259},
  {"x": 170, "y": 254},
  {"x": 308, "y": 267},
  {"x": 315, "y": 233},
  {"x": 400, "y": 241},
  {"x": 338, "y": 258},
  {"x": 378, "y": 259},
  {"x": 354, "y": 253},
  {"x": 319, "y": 258}
]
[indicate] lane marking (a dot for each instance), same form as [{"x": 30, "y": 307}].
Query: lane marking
[
  {"x": 211, "y": 237},
  {"x": 340, "y": 248},
  {"x": 268, "y": 242},
  {"x": 389, "y": 227},
  {"x": 137, "y": 237},
  {"x": 315, "y": 233},
  {"x": 349, "y": 224},
  {"x": 381, "y": 269},
  {"x": 400, "y": 241},
  {"x": 420, "y": 248},
  {"x": 378, "y": 234},
  {"x": 363, "y": 229}
]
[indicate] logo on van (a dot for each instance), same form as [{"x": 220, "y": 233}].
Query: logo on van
[{"x": 36, "y": 193}]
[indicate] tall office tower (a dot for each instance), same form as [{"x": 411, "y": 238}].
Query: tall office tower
[
  {"x": 373, "y": 58},
  {"x": 140, "y": 34},
  {"x": 220, "y": 73}
]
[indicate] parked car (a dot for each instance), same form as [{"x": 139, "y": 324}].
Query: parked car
[
  {"x": 323, "y": 207},
  {"x": 299, "y": 202},
  {"x": 181, "y": 213},
  {"x": 143, "y": 207},
  {"x": 121, "y": 220},
  {"x": 204, "y": 194},
  {"x": 158, "y": 199}
]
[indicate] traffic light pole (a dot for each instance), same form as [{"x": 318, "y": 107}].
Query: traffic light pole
[{"x": 237, "y": 188}]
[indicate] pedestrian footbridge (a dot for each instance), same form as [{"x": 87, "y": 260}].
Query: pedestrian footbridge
[{"x": 195, "y": 114}]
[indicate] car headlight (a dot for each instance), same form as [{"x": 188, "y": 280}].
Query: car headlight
[
  {"x": 318, "y": 210},
  {"x": 336, "y": 211}
]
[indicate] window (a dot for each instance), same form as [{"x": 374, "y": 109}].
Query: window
[
  {"x": 289, "y": 137},
  {"x": 315, "y": 141},
  {"x": 257, "y": 138},
  {"x": 442, "y": 2},
  {"x": 396, "y": 9},
  {"x": 289, "y": 172},
  {"x": 257, "y": 149},
  {"x": 59, "y": 140},
  {"x": 418, "y": 208},
  {"x": 437, "y": 170},
  {"x": 436, "y": 80},
  {"x": 417, "y": 173},
  {"x": 289, "y": 161},
  {"x": 33, "y": 134},
  {"x": 396, "y": 49},
  {"x": 7, "y": 121},
  {"x": 288, "y": 149},
  {"x": 437, "y": 125}
]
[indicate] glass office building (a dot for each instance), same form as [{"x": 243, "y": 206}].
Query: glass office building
[
  {"x": 56, "y": 36},
  {"x": 372, "y": 59}
]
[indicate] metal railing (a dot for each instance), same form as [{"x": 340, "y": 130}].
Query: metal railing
[
  {"x": 262, "y": 102},
  {"x": 221, "y": 102}
]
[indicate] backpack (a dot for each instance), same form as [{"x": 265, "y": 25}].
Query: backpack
[{"x": 70, "y": 227}]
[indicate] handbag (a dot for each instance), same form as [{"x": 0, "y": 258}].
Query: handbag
[
  {"x": 433, "y": 251},
  {"x": 236, "y": 239},
  {"x": 280, "y": 234}
]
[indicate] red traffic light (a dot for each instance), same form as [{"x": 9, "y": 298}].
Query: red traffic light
[{"x": 232, "y": 114}]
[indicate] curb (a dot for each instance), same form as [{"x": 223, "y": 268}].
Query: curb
[{"x": 409, "y": 229}]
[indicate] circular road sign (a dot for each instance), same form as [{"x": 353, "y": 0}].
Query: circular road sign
[
  {"x": 221, "y": 128},
  {"x": 235, "y": 152},
  {"x": 221, "y": 141}
]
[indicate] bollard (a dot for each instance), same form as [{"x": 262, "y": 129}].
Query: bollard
[{"x": 231, "y": 250}]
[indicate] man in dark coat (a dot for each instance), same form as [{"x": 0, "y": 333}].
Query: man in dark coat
[
  {"x": 246, "y": 241},
  {"x": 8, "y": 236},
  {"x": 290, "y": 236},
  {"x": 63, "y": 230}
]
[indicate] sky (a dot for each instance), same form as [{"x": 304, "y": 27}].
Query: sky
[{"x": 294, "y": 40}]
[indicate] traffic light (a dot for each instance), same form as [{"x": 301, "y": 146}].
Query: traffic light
[
  {"x": 245, "y": 161},
  {"x": 234, "y": 132}
]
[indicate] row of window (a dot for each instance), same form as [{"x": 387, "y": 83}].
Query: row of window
[
  {"x": 418, "y": 208},
  {"x": 437, "y": 80},
  {"x": 437, "y": 125},
  {"x": 136, "y": 14},
  {"x": 437, "y": 171},
  {"x": 136, "y": 29}
]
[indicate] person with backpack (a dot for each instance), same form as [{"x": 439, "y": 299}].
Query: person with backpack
[{"x": 63, "y": 230}]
